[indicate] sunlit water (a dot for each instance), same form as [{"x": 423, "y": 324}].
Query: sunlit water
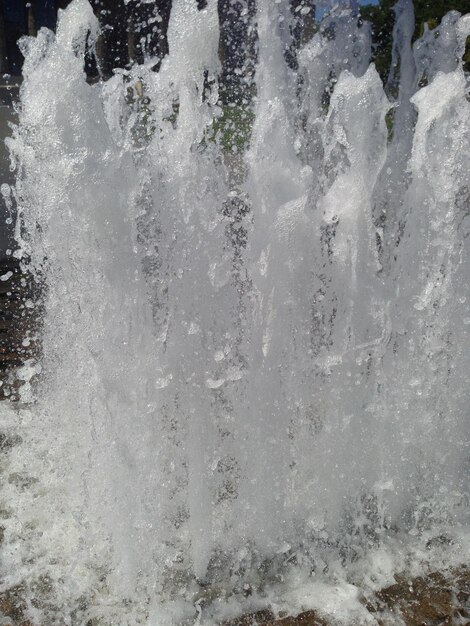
[{"x": 253, "y": 385}]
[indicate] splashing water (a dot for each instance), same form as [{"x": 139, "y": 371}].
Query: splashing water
[{"x": 253, "y": 366}]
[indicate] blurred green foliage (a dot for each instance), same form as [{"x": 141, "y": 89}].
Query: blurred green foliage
[{"x": 233, "y": 127}]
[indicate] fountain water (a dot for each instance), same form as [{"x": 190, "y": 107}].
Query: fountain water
[{"x": 245, "y": 379}]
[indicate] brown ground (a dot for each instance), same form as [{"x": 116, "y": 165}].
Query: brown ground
[
  {"x": 433, "y": 600},
  {"x": 12, "y": 605},
  {"x": 266, "y": 618}
]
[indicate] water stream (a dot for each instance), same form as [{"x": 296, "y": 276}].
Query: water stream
[{"x": 253, "y": 377}]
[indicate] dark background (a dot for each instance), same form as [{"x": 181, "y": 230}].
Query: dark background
[{"x": 132, "y": 32}]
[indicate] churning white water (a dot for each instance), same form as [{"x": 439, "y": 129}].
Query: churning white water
[{"x": 253, "y": 384}]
